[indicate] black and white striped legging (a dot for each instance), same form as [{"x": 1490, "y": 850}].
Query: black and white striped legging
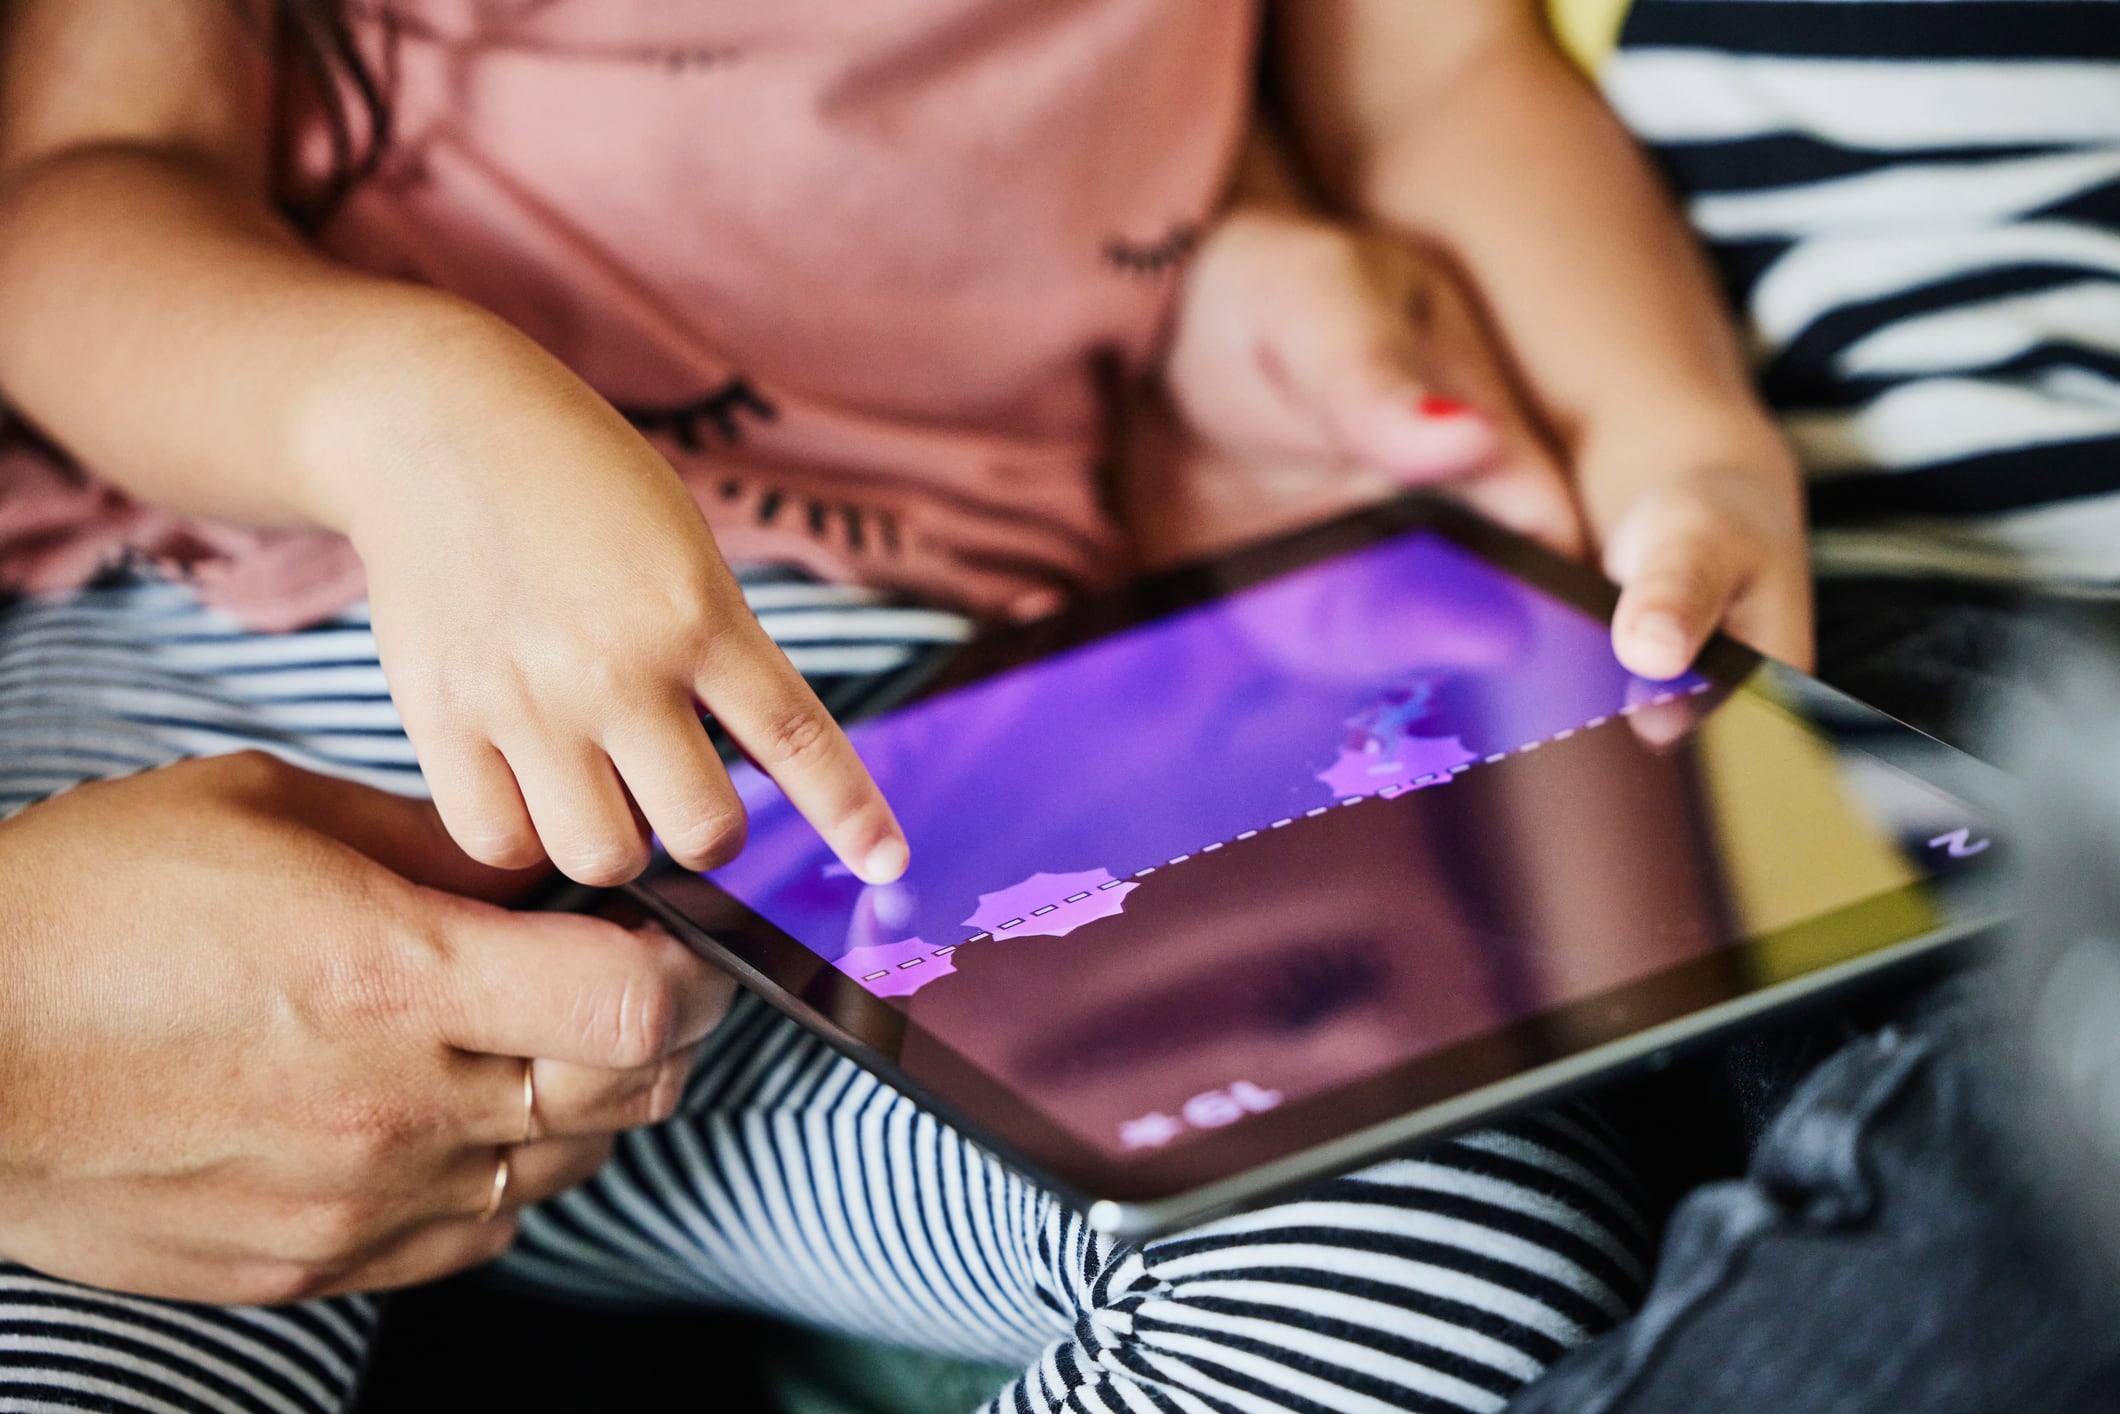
[{"x": 793, "y": 1182}]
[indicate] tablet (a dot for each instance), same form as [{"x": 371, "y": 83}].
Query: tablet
[{"x": 1268, "y": 867}]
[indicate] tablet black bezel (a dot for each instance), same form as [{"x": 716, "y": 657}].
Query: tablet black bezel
[{"x": 873, "y": 1031}]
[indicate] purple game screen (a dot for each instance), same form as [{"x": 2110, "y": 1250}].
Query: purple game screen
[{"x": 1257, "y": 849}]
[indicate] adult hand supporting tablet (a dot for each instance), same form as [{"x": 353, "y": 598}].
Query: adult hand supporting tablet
[
  {"x": 1316, "y": 367},
  {"x": 1266, "y": 866},
  {"x": 263, "y": 1041}
]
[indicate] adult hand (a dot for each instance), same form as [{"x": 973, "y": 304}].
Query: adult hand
[
  {"x": 1314, "y": 367},
  {"x": 260, "y": 1044}
]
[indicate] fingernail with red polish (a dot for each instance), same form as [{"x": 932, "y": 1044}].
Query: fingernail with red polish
[
  {"x": 1436, "y": 405},
  {"x": 1035, "y": 605}
]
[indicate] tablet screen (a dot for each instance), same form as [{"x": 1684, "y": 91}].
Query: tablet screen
[{"x": 1400, "y": 807}]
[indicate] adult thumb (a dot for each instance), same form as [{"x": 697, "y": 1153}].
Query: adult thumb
[
  {"x": 404, "y": 834},
  {"x": 1354, "y": 366}
]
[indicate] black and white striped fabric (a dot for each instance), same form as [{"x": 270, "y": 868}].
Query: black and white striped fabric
[
  {"x": 1915, "y": 205},
  {"x": 793, "y": 1182}
]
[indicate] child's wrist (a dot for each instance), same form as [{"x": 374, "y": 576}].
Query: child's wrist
[
  {"x": 1679, "y": 428},
  {"x": 1627, "y": 451},
  {"x": 380, "y": 400}
]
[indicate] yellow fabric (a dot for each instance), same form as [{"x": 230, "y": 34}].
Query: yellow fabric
[
  {"x": 1761, "y": 768},
  {"x": 1587, "y": 29}
]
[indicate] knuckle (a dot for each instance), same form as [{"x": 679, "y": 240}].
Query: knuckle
[
  {"x": 1689, "y": 516},
  {"x": 254, "y": 777},
  {"x": 797, "y": 735},
  {"x": 254, "y": 769},
  {"x": 652, "y": 1010},
  {"x": 719, "y": 628},
  {"x": 281, "y": 1283},
  {"x": 491, "y": 828},
  {"x": 361, "y": 985},
  {"x": 449, "y": 700},
  {"x": 708, "y": 838},
  {"x": 502, "y": 847},
  {"x": 639, "y": 1026},
  {"x": 610, "y": 674},
  {"x": 441, "y": 687},
  {"x": 692, "y": 606},
  {"x": 369, "y": 1138},
  {"x": 1706, "y": 528},
  {"x": 602, "y": 863}
]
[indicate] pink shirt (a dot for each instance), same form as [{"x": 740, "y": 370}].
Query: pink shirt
[{"x": 863, "y": 272}]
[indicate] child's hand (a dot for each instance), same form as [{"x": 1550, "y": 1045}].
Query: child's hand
[
  {"x": 1468, "y": 125},
  {"x": 1317, "y": 367},
  {"x": 1699, "y": 539},
  {"x": 552, "y": 614}
]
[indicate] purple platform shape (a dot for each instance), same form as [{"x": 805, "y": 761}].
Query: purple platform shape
[
  {"x": 1050, "y": 905},
  {"x": 1361, "y": 771},
  {"x": 907, "y": 967}
]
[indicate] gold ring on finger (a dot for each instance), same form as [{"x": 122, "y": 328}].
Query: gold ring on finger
[
  {"x": 500, "y": 1189},
  {"x": 529, "y": 1100}
]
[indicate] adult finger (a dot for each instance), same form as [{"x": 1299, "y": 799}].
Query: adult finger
[
  {"x": 764, "y": 704},
  {"x": 471, "y": 1181},
  {"x": 581, "y": 1099},
  {"x": 563, "y": 987},
  {"x": 476, "y": 1184},
  {"x": 1348, "y": 353},
  {"x": 551, "y": 1167},
  {"x": 1529, "y": 496},
  {"x": 536, "y": 1172},
  {"x": 1402, "y": 372},
  {"x": 1524, "y": 488},
  {"x": 570, "y": 1100},
  {"x": 581, "y": 811},
  {"x": 1678, "y": 575},
  {"x": 670, "y": 767}
]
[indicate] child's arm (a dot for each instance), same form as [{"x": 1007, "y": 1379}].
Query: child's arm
[
  {"x": 548, "y": 603},
  {"x": 1461, "y": 123}
]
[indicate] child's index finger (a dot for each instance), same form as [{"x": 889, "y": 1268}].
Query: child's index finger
[{"x": 769, "y": 710}]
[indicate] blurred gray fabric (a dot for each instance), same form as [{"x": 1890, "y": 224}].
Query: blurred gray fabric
[{"x": 1930, "y": 1213}]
